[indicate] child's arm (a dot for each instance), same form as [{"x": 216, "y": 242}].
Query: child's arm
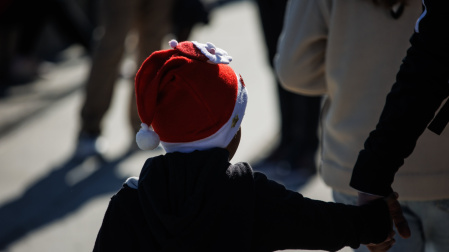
[
  {"x": 116, "y": 232},
  {"x": 287, "y": 220}
]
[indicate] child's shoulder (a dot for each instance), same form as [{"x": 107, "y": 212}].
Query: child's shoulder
[{"x": 239, "y": 169}]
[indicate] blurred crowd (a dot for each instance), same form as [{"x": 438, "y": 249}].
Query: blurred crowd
[
  {"x": 44, "y": 29},
  {"x": 36, "y": 31},
  {"x": 334, "y": 62}
]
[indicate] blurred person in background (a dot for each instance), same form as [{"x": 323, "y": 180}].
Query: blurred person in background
[
  {"x": 152, "y": 20},
  {"x": 350, "y": 51},
  {"x": 292, "y": 161},
  {"x": 22, "y": 26},
  {"x": 188, "y": 13}
]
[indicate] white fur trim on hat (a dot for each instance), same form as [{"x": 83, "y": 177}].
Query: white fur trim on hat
[{"x": 146, "y": 138}]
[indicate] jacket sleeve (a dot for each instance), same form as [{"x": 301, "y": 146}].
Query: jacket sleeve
[
  {"x": 420, "y": 88},
  {"x": 286, "y": 220},
  {"x": 299, "y": 62},
  {"x": 116, "y": 232}
]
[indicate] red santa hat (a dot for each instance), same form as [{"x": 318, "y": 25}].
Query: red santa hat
[{"x": 190, "y": 96}]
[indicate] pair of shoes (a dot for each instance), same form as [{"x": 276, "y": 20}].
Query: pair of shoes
[{"x": 90, "y": 145}]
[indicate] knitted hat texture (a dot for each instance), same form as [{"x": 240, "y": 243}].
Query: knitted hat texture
[{"x": 190, "y": 97}]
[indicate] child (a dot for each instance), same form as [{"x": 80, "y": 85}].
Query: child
[{"x": 192, "y": 198}]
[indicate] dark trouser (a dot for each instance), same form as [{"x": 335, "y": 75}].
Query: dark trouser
[
  {"x": 299, "y": 114},
  {"x": 22, "y": 23},
  {"x": 151, "y": 19}
]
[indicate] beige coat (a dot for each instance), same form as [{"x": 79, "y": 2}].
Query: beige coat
[{"x": 350, "y": 51}]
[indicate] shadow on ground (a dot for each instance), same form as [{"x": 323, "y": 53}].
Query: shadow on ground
[{"x": 58, "y": 194}]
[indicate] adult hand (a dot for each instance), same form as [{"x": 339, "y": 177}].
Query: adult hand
[{"x": 395, "y": 211}]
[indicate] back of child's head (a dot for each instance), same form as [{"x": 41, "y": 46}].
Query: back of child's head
[{"x": 190, "y": 96}]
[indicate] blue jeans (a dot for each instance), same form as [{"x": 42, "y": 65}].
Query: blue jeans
[{"x": 428, "y": 221}]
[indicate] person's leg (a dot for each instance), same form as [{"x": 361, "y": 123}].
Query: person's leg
[
  {"x": 186, "y": 14},
  {"x": 302, "y": 127},
  {"x": 25, "y": 60},
  {"x": 154, "y": 22},
  {"x": 118, "y": 21},
  {"x": 292, "y": 162},
  {"x": 72, "y": 22},
  {"x": 413, "y": 244},
  {"x": 7, "y": 49},
  {"x": 435, "y": 218}
]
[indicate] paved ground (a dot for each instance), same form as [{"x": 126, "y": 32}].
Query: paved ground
[{"x": 47, "y": 202}]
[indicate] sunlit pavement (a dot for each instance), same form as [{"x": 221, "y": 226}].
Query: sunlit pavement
[{"x": 49, "y": 202}]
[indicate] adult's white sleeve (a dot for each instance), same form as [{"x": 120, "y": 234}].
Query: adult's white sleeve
[{"x": 300, "y": 58}]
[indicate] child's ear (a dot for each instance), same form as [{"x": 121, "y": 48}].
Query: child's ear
[{"x": 234, "y": 144}]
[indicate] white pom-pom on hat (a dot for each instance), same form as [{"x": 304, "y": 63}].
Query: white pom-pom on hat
[
  {"x": 146, "y": 138},
  {"x": 173, "y": 43}
]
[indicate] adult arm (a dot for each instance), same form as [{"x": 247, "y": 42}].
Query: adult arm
[
  {"x": 420, "y": 88},
  {"x": 299, "y": 62}
]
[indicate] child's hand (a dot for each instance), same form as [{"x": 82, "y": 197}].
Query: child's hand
[
  {"x": 383, "y": 246},
  {"x": 397, "y": 216},
  {"x": 395, "y": 211}
]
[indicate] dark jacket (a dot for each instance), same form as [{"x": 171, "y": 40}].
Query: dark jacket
[
  {"x": 200, "y": 202},
  {"x": 420, "y": 88}
]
